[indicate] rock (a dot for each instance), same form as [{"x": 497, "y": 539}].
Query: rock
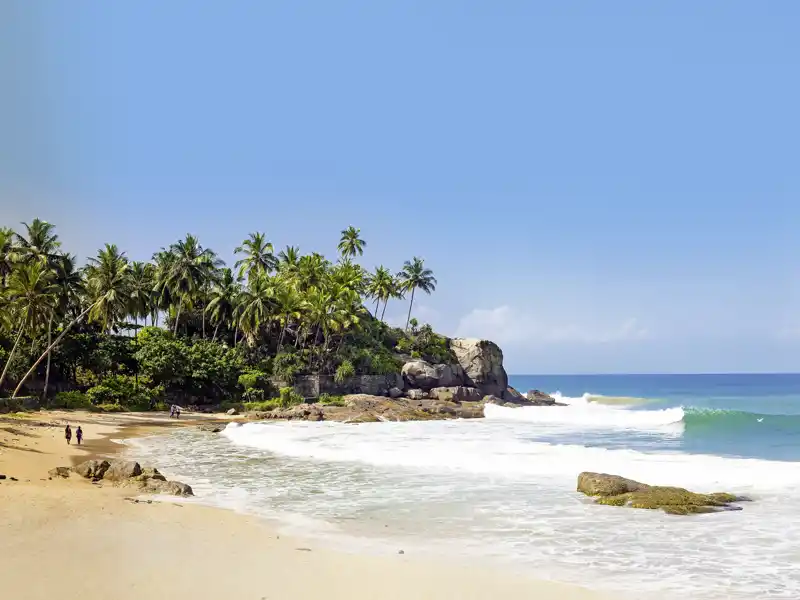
[
  {"x": 537, "y": 398},
  {"x": 232, "y": 411},
  {"x": 395, "y": 392},
  {"x": 512, "y": 395},
  {"x": 456, "y": 394},
  {"x": 416, "y": 394},
  {"x": 482, "y": 362},
  {"x": 122, "y": 469},
  {"x": 449, "y": 375},
  {"x": 173, "y": 488},
  {"x": 2, "y": 477},
  {"x": 419, "y": 374},
  {"x": 92, "y": 469},
  {"x": 498, "y": 401},
  {"x": 613, "y": 490},
  {"x": 211, "y": 427},
  {"x": 58, "y": 472}
]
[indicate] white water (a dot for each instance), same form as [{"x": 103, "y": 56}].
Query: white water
[{"x": 502, "y": 488}]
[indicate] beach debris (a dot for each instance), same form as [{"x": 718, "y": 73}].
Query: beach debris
[
  {"x": 613, "y": 490},
  {"x": 303, "y": 549},
  {"x": 401, "y": 552},
  {"x": 2, "y": 476},
  {"x": 63, "y": 472},
  {"x": 13, "y": 479}
]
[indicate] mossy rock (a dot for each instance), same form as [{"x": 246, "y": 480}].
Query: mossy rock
[{"x": 612, "y": 490}]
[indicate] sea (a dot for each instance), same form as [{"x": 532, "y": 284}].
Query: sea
[{"x": 501, "y": 490}]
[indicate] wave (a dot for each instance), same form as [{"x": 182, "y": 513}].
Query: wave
[
  {"x": 478, "y": 449},
  {"x": 586, "y": 414},
  {"x": 588, "y": 398}
]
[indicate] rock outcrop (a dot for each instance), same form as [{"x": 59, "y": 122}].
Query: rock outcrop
[
  {"x": 456, "y": 394},
  {"x": 537, "y": 398},
  {"x": 63, "y": 472},
  {"x": 128, "y": 473},
  {"x": 613, "y": 490},
  {"x": 482, "y": 363},
  {"x": 418, "y": 374}
]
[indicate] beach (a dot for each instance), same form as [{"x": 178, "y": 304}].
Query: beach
[{"x": 69, "y": 538}]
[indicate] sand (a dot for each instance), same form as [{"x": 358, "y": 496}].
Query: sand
[{"x": 71, "y": 539}]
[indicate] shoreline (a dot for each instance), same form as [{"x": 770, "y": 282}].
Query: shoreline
[{"x": 93, "y": 544}]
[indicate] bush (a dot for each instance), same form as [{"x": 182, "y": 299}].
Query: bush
[
  {"x": 344, "y": 371},
  {"x": 253, "y": 395},
  {"x": 253, "y": 380},
  {"x": 112, "y": 407},
  {"x": 264, "y": 405},
  {"x": 71, "y": 400},
  {"x": 329, "y": 400},
  {"x": 288, "y": 397},
  {"x": 287, "y": 365}
]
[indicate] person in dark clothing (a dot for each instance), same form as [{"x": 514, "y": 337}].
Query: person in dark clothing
[
  {"x": 79, "y": 435},
  {"x": 68, "y": 434}
]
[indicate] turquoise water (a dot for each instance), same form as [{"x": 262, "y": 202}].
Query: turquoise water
[
  {"x": 502, "y": 489},
  {"x": 754, "y": 416}
]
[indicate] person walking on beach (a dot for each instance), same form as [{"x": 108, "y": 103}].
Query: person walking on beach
[
  {"x": 79, "y": 435},
  {"x": 68, "y": 434}
]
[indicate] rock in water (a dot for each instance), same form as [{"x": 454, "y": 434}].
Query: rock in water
[
  {"x": 537, "y": 398},
  {"x": 92, "y": 469},
  {"x": 613, "y": 490},
  {"x": 122, "y": 469},
  {"x": 482, "y": 362},
  {"x": 58, "y": 472}
]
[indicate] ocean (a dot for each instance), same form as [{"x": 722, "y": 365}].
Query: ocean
[{"x": 501, "y": 490}]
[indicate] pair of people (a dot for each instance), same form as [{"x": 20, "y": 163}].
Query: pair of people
[
  {"x": 175, "y": 411},
  {"x": 78, "y": 434}
]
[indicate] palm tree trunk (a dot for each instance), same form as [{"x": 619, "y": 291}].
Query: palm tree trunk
[
  {"x": 136, "y": 342},
  {"x": 47, "y": 371},
  {"x": 385, "y": 304},
  {"x": 10, "y": 356},
  {"x": 177, "y": 319},
  {"x": 410, "y": 304},
  {"x": 283, "y": 330},
  {"x": 49, "y": 348},
  {"x": 204, "y": 324},
  {"x": 235, "y": 336},
  {"x": 216, "y": 329}
]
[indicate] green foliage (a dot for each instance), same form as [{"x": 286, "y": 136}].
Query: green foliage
[
  {"x": 73, "y": 400},
  {"x": 162, "y": 358},
  {"x": 264, "y": 405},
  {"x": 253, "y": 379},
  {"x": 329, "y": 400},
  {"x": 344, "y": 371},
  {"x": 424, "y": 343},
  {"x": 288, "y": 397},
  {"x": 111, "y": 407},
  {"x": 286, "y": 365}
]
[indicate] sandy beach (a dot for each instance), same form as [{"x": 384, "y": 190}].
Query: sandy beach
[{"x": 68, "y": 538}]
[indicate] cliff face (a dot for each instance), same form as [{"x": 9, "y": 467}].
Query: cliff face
[{"x": 482, "y": 364}]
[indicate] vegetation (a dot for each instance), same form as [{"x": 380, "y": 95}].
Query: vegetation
[{"x": 183, "y": 327}]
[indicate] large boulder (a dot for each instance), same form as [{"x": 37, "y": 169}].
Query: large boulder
[
  {"x": 449, "y": 375},
  {"x": 420, "y": 374},
  {"x": 482, "y": 362},
  {"x": 92, "y": 469},
  {"x": 613, "y": 490},
  {"x": 416, "y": 394},
  {"x": 119, "y": 470},
  {"x": 456, "y": 394},
  {"x": 537, "y": 398}
]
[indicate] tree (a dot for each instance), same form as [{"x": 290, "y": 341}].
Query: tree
[
  {"x": 32, "y": 295},
  {"x": 109, "y": 287},
  {"x": 415, "y": 276},
  {"x": 256, "y": 306},
  {"x": 350, "y": 243},
  {"x": 288, "y": 306},
  {"x": 7, "y": 237},
  {"x": 70, "y": 287},
  {"x": 38, "y": 242},
  {"x": 258, "y": 257},
  {"x": 142, "y": 283},
  {"x": 381, "y": 287},
  {"x": 223, "y": 300},
  {"x": 288, "y": 261}
]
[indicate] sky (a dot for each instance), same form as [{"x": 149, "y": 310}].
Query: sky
[{"x": 599, "y": 187}]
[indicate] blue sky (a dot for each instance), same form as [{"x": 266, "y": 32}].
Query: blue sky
[{"x": 599, "y": 187}]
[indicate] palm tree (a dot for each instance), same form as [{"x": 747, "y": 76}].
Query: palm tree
[
  {"x": 415, "y": 276},
  {"x": 288, "y": 305},
  {"x": 351, "y": 243},
  {"x": 39, "y": 241},
  {"x": 7, "y": 237},
  {"x": 288, "y": 261},
  {"x": 258, "y": 256},
  {"x": 186, "y": 273},
  {"x": 33, "y": 296},
  {"x": 256, "y": 306},
  {"x": 108, "y": 286},
  {"x": 312, "y": 270},
  {"x": 70, "y": 287},
  {"x": 223, "y": 299},
  {"x": 381, "y": 287},
  {"x": 140, "y": 279}
]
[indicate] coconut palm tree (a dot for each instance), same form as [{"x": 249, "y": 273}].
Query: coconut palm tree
[
  {"x": 381, "y": 287},
  {"x": 108, "y": 287},
  {"x": 289, "y": 306},
  {"x": 223, "y": 300},
  {"x": 288, "y": 261},
  {"x": 258, "y": 256},
  {"x": 32, "y": 295},
  {"x": 141, "y": 281},
  {"x": 350, "y": 243},
  {"x": 413, "y": 277},
  {"x": 312, "y": 271},
  {"x": 38, "y": 241},
  {"x": 185, "y": 271},
  {"x": 7, "y": 237},
  {"x": 256, "y": 306}
]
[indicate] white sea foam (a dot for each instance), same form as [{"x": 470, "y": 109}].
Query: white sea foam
[{"x": 586, "y": 414}]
